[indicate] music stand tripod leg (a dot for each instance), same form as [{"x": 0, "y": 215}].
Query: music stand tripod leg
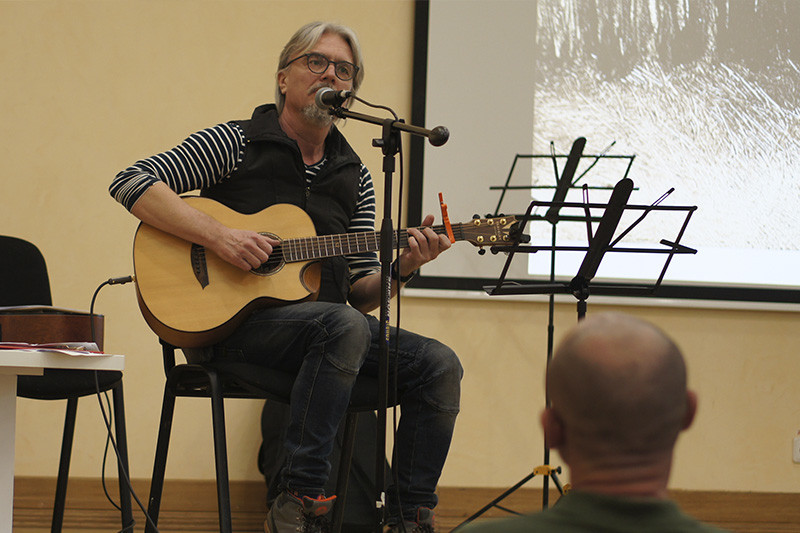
[{"x": 544, "y": 470}]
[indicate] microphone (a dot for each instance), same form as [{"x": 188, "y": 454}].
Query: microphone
[{"x": 327, "y": 98}]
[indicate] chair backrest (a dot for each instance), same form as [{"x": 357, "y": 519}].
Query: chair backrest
[{"x": 23, "y": 274}]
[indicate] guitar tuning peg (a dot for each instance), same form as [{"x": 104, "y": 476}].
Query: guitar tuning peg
[
  {"x": 489, "y": 215},
  {"x": 481, "y": 251},
  {"x": 476, "y": 216}
]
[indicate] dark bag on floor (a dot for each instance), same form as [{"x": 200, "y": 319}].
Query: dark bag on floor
[{"x": 359, "y": 512}]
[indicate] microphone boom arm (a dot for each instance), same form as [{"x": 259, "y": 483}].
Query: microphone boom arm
[{"x": 437, "y": 136}]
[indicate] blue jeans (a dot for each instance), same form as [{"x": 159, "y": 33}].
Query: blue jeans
[{"x": 327, "y": 345}]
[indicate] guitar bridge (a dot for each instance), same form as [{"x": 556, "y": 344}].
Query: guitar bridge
[{"x": 199, "y": 266}]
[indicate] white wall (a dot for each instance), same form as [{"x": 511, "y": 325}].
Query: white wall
[{"x": 91, "y": 86}]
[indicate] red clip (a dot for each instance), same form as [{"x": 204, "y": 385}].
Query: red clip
[{"x": 446, "y": 219}]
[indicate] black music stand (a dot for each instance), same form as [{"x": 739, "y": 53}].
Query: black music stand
[{"x": 580, "y": 286}]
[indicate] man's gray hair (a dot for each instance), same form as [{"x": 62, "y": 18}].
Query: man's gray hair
[{"x": 304, "y": 40}]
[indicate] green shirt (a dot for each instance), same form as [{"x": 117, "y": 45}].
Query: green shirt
[{"x": 579, "y": 512}]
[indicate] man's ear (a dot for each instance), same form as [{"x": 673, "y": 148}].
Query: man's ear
[
  {"x": 691, "y": 409},
  {"x": 553, "y": 428},
  {"x": 281, "y": 79}
]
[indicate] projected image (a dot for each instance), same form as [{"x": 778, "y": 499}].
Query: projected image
[
  {"x": 703, "y": 95},
  {"x": 706, "y": 95}
]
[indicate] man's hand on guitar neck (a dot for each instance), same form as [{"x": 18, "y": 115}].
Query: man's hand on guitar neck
[{"x": 423, "y": 246}]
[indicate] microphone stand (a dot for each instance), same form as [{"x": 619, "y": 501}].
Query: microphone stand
[{"x": 390, "y": 146}]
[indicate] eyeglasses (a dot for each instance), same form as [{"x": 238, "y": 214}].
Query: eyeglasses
[{"x": 318, "y": 63}]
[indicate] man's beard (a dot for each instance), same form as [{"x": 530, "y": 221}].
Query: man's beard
[{"x": 317, "y": 116}]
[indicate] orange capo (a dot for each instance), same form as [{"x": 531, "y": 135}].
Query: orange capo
[{"x": 446, "y": 219}]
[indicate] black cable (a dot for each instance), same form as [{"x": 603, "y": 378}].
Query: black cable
[
  {"x": 106, "y": 419},
  {"x": 125, "y": 477},
  {"x": 105, "y": 455}
]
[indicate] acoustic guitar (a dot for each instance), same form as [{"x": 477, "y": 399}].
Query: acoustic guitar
[{"x": 191, "y": 298}]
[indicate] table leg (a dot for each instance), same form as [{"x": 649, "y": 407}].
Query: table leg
[{"x": 8, "y": 420}]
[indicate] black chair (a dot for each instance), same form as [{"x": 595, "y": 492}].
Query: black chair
[
  {"x": 24, "y": 281},
  {"x": 242, "y": 380}
]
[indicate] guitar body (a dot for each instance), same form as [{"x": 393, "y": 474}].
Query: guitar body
[{"x": 192, "y": 298}]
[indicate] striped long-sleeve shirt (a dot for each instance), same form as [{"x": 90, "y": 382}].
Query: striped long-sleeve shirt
[{"x": 210, "y": 156}]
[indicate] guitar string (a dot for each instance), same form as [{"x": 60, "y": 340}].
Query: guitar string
[
  {"x": 301, "y": 249},
  {"x": 317, "y": 247}
]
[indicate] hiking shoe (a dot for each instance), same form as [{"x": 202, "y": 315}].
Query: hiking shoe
[
  {"x": 423, "y": 524},
  {"x": 290, "y": 514}
]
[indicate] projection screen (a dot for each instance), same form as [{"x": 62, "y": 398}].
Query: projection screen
[{"x": 696, "y": 97}]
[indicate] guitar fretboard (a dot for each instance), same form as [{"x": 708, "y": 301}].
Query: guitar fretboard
[{"x": 319, "y": 247}]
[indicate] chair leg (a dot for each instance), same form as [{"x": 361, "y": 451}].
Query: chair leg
[
  {"x": 220, "y": 453},
  {"x": 63, "y": 466},
  {"x": 160, "y": 463},
  {"x": 122, "y": 462},
  {"x": 343, "y": 476}
]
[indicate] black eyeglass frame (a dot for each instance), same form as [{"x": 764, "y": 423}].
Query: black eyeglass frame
[{"x": 328, "y": 62}]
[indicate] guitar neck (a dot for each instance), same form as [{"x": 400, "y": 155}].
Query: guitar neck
[{"x": 322, "y": 246}]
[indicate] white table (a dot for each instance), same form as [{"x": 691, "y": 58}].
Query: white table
[{"x": 21, "y": 362}]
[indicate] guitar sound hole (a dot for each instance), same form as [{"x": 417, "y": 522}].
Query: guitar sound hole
[{"x": 275, "y": 261}]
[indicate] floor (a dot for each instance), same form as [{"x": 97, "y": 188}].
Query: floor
[{"x": 739, "y": 512}]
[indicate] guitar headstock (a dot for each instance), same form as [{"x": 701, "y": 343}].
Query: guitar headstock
[{"x": 490, "y": 231}]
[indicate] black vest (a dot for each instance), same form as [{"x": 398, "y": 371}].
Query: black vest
[{"x": 272, "y": 172}]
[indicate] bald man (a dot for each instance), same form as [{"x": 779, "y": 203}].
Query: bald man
[{"x": 617, "y": 387}]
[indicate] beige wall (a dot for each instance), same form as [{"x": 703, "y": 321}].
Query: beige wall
[{"x": 90, "y": 86}]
